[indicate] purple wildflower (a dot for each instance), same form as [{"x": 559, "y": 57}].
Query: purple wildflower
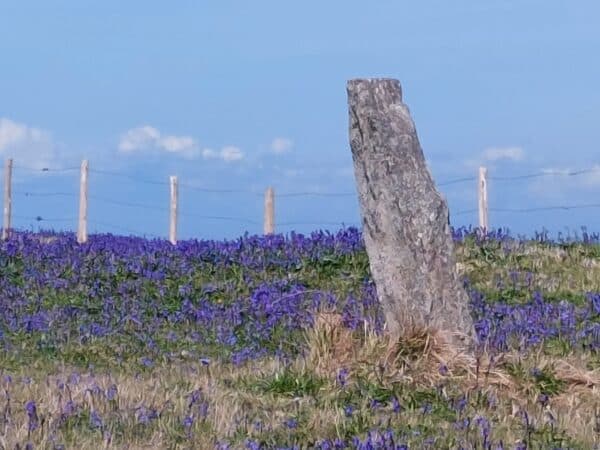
[
  {"x": 188, "y": 421},
  {"x": 111, "y": 392},
  {"x": 342, "y": 377},
  {"x": 348, "y": 410},
  {"x": 291, "y": 423},
  {"x": 33, "y": 420},
  {"x": 95, "y": 420}
]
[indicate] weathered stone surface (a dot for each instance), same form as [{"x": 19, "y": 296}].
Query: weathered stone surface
[{"x": 405, "y": 219}]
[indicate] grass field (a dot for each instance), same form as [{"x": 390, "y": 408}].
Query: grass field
[{"x": 277, "y": 342}]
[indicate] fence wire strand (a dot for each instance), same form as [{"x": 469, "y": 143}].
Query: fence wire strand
[
  {"x": 463, "y": 212},
  {"x": 225, "y": 218},
  {"x": 545, "y": 208},
  {"x": 46, "y": 169},
  {"x": 457, "y": 180},
  {"x": 219, "y": 191},
  {"x": 284, "y": 194},
  {"x": 45, "y": 219},
  {"x": 129, "y": 177},
  {"x": 547, "y": 173},
  {"x": 343, "y": 224},
  {"x": 315, "y": 194},
  {"x": 45, "y": 194},
  {"x": 128, "y": 204}
]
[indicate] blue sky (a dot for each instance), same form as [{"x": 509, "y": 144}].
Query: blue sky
[{"x": 242, "y": 95}]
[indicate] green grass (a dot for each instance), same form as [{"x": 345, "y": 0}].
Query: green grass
[{"x": 300, "y": 401}]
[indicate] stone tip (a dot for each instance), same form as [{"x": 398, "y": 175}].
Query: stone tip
[
  {"x": 387, "y": 87},
  {"x": 373, "y": 82}
]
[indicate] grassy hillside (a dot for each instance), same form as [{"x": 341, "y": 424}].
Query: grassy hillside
[{"x": 278, "y": 342}]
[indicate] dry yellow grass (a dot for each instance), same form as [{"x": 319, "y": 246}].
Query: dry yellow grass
[
  {"x": 426, "y": 359},
  {"x": 422, "y": 359}
]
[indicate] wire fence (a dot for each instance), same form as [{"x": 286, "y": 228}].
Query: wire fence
[{"x": 165, "y": 209}]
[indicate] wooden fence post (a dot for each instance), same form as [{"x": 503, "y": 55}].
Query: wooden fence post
[
  {"x": 83, "y": 197},
  {"x": 8, "y": 164},
  {"x": 173, "y": 210},
  {"x": 269, "y": 224},
  {"x": 483, "y": 200}
]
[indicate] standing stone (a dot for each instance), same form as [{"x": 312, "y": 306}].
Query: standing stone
[{"x": 405, "y": 219}]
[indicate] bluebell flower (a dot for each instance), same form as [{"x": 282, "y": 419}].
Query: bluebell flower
[
  {"x": 188, "y": 421},
  {"x": 342, "y": 377},
  {"x": 291, "y": 423},
  {"x": 32, "y": 415},
  {"x": 348, "y": 410},
  {"x": 111, "y": 392},
  {"x": 95, "y": 420},
  {"x": 443, "y": 369}
]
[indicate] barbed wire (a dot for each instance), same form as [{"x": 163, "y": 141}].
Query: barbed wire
[
  {"x": 46, "y": 169},
  {"x": 292, "y": 194},
  {"x": 544, "y": 173},
  {"x": 45, "y": 194},
  {"x": 130, "y": 177},
  {"x": 165, "y": 209},
  {"x": 315, "y": 194},
  {"x": 343, "y": 224},
  {"x": 545, "y": 208},
  {"x": 260, "y": 194},
  {"x": 219, "y": 191},
  {"x": 127, "y": 204},
  {"x": 225, "y": 218},
  {"x": 347, "y": 194},
  {"x": 463, "y": 212},
  {"x": 457, "y": 180},
  {"x": 45, "y": 219}
]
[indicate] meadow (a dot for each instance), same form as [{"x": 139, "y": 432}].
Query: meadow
[{"x": 277, "y": 342}]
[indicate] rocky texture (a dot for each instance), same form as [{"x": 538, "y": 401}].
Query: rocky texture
[{"x": 405, "y": 219}]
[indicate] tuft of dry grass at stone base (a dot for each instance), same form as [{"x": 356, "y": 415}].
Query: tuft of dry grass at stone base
[{"x": 427, "y": 359}]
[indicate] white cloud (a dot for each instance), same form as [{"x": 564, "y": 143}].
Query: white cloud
[
  {"x": 227, "y": 154},
  {"x": 281, "y": 145},
  {"x": 139, "y": 139},
  {"x": 11, "y": 133},
  {"x": 495, "y": 154},
  {"x": 177, "y": 144},
  {"x": 28, "y": 146},
  {"x": 147, "y": 138},
  {"x": 499, "y": 153}
]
